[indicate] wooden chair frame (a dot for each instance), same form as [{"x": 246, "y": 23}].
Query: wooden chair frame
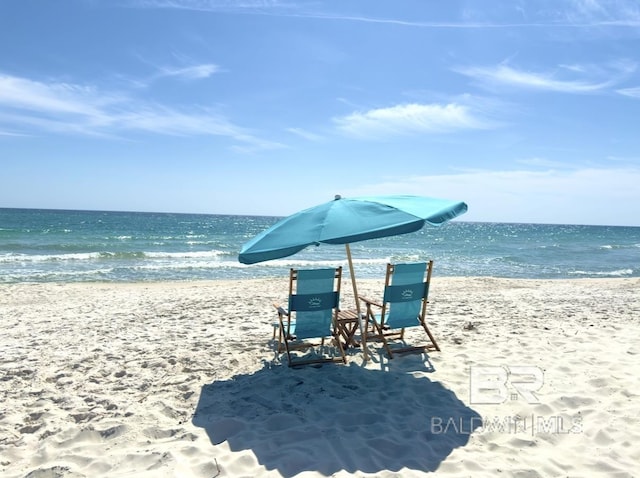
[
  {"x": 379, "y": 330},
  {"x": 289, "y": 316}
]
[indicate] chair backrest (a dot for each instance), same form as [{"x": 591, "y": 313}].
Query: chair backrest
[
  {"x": 314, "y": 296},
  {"x": 405, "y": 294}
]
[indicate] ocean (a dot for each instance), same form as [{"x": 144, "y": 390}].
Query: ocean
[{"x": 96, "y": 246}]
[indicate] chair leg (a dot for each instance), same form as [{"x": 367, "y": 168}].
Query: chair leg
[
  {"x": 381, "y": 335},
  {"x": 280, "y": 340},
  {"x": 281, "y": 336},
  {"x": 431, "y": 337},
  {"x": 342, "y": 353},
  {"x": 286, "y": 344}
]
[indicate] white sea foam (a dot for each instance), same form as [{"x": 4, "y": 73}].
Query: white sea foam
[
  {"x": 616, "y": 273},
  {"x": 83, "y": 256},
  {"x": 185, "y": 255},
  {"x": 176, "y": 265},
  {"x": 16, "y": 258},
  {"x": 56, "y": 276}
]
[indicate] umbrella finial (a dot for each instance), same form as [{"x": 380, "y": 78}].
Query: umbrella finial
[{"x": 337, "y": 196}]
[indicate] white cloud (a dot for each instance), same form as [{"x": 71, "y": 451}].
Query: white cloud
[
  {"x": 631, "y": 92},
  {"x": 558, "y": 14},
  {"x": 161, "y": 120},
  {"x": 631, "y": 159},
  {"x": 66, "y": 108},
  {"x": 624, "y": 13},
  {"x": 409, "y": 119},
  {"x": 308, "y": 135},
  {"x": 186, "y": 69},
  {"x": 58, "y": 98},
  {"x": 580, "y": 196},
  {"x": 542, "y": 163},
  {"x": 503, "y": 75},
  {"x": 195, "y": 72},
  {"x": 9, "y": 133}
]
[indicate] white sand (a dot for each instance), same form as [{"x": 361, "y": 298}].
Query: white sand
[{"x": 181, "y": 379}]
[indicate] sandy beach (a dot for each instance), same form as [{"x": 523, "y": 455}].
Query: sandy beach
[{"x": 181, "y": 379}]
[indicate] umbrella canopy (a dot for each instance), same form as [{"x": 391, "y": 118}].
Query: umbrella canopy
[{"x": 347, "y": 220}]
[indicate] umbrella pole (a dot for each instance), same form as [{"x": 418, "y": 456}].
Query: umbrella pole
[{"x": 363, "y": 336}]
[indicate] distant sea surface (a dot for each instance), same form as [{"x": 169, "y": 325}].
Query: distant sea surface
[{"x": 74, "y": 246}]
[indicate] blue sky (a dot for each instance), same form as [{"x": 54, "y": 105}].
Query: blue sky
[{"x": 526, "y": 110}]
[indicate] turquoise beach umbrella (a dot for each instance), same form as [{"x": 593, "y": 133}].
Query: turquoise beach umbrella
[{"x": 347, "y": 220}]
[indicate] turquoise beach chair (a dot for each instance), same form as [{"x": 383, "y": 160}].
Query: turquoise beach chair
[
  {"x": 404, "y": 304},
  {"x": 314, "y": 296}
]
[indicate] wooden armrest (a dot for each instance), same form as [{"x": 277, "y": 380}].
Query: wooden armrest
[
  {"x": 370, "y": 302},
  {"x": 279, "y": 308}
]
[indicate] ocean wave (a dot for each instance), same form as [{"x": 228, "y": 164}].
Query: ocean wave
[
  {"x": 616, "y": 273},
  {"x": 56, "y": 276},
  {"x": 121, "y": 255},
  {"x": 619, "y": 246},
  {"x": 185, "y": 255},
  {"x": 21, "y": 258}
]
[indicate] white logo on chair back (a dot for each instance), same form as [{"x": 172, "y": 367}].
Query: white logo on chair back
[
  {"x": 315, "y": 302},
  {"x": 407, "y": 294}
]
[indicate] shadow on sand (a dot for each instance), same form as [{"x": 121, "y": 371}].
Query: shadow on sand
[{"x": 334, "y": 418}]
